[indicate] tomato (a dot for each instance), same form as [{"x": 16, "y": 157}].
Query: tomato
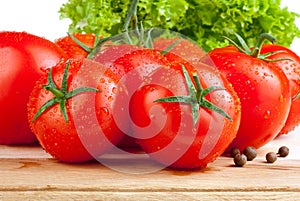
[
  {"x": 68, "y": 128},
  {"x": 106, "y": 53},
  {"x": 184, "y": 48},
  {"x": 109, "y": 53},
  {"x": 291, "y": 67},
  {"x": 167, "y": 131},
  {"x": 77, "y": 45},
  {"x": 263, "y": 90},
  {"x": 85, "y": 45},
  {"x": 132, "y": 65},
  {"x": 24, "y": 58}
]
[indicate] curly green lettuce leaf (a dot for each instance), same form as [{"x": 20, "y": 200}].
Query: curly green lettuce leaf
[{"x": 204, "y": 21}]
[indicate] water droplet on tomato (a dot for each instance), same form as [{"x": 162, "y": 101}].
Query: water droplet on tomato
[
  {"x": 84, "y": 117},
  {"x": 267, "y": 114},
  {"x": 110, "y": 98},
  {"x": 151, "y": 89},
  {"x": 102, "y": 80},
  {"x": 104, "y": 110},
  {"x": 114, "y": 90},
  {"x": 282, "y": 98}
]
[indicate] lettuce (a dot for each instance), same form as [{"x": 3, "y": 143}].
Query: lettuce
[{"x": 204, "y": 21}]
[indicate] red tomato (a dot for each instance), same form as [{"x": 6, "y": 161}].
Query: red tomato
[
  {"x": 109, "y": 53},
  {"x": 24, "y": 58},
  {"x": 181, "y": 47},
  {"x": 77, "y": 49},
  {"x": 291, "y": 67},
  {"x": 263, "y": 90},
  {"x": 166, "y": 130},
  {"x": 131, "y": 64},
  {"x": 73, "y": 135}
]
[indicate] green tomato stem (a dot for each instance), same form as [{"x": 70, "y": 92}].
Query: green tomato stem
[
  {"x": 255, "y": 52},
  {"x": 60, "y": 95},
  {"x": 264, "y": 36}
]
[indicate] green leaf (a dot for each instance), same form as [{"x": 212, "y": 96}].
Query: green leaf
[{"x": 201, "y": 20}]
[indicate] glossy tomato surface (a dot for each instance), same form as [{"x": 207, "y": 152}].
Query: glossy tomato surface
[
  {"x": 91, "y": 129},
  {"x": 291, "y": 67},
  {"x": 264, "y": 93},
  {"x": 165, "y": 130},
  {"x": 75, "y": 50},
  {"x": 23, "y": 59}
]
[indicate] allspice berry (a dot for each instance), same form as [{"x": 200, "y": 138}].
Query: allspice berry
[
  {"x": 283, "y": 151},
  {"x": 234, "y": 151},
  {"x": 271, "y": 157},
  {"x": 240, "y": 160},
  {"x": 250, "y": 153}
]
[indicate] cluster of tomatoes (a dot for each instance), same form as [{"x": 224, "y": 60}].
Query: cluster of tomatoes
[{"x": 82, "y": 95}]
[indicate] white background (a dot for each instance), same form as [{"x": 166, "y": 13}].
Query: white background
[{"x": 41, "y": 17}]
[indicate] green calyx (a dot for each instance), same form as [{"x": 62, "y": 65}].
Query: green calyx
[
  {"x": 255, "y": 52},
  {"x": 196, "y": 97},
  {"x": 60, "y": 95},
  {"x": 92, "y": 51},
  {"x": 136, "y": 36}
]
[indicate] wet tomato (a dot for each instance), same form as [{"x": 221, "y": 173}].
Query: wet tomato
[{"x": 263, "y": 89}]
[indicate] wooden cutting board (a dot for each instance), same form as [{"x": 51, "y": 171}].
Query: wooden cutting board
[{"x": 28, "y": 173}]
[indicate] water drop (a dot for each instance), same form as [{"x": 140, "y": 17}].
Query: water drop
[
  {"x": 102, "y": 80},
  {"x": 267, "y": 114},
  {"x": 282, "y": 98},
  {"x": 55, "y": 110},
  {"x": 110, "y": 98},
  {"x": 114, "y": 90},
  {"x": 104, "y": 110}
]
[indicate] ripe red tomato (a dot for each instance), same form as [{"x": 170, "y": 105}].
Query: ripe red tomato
[
  {"x": 80, "y": 48},
  {"x": 263, "y": 90},
  {"x": 291, "y": 67},
  {"x": 70, "y": 133},
  {"x": 167, "y": 131},
  {"x": 184, "y": 48},
  {"x": 109, "y": 53},
  {"x": 133, "y": 64},
  {"x": 23, "y": 59}
]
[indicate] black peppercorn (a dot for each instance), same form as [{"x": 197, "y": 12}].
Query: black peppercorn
[
  {"x": 283, "y": 151},
  {"x": 240, "y": 160},
  {"x": 271, "y": 157},
  {"x": 250, "y": 153}
]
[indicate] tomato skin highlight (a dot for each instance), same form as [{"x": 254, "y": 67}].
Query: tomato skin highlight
[
  {"x": 79, "y": 139},
  {"x": 264, "y": 92},
  {"x": 291, "y": 68},
  {"x": 24, "y": 58}
]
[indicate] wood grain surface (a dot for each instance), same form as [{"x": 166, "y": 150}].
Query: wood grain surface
[{"x": 28, "y": 173}]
